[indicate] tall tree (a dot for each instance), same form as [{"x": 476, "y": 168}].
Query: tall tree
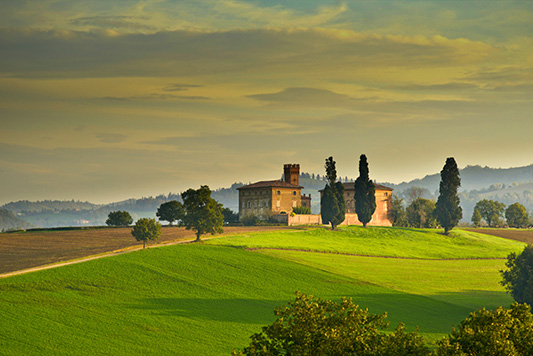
[
  {"x": 332, "y": 203},
  {"x": 170, "y": 211},
  {"x": 146, "y": 229},
  {"x": 203, "y": 214},
  {"x": 447, "y": 210},
  {"x": 365, "y": 193},
  {"x": 476, "y": 218},
  {"x": 491, "y": 211}
]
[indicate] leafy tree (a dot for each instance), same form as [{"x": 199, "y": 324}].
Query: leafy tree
[
  {"x": 203, "y": 214},
  {"x": 397, "y": 213},
  {"x": 313, "y": 326},
  {"x": 301, "y": 210},
  {"x": 491, "y": 211},
  {"x": 518, "y": 277},
  {"x": 365, "y": 193},
  {"x": 413, "y": 193},
  {"x": 420, "y": 213},
  {"x": 516, "y": 215},
  {"x": 502, "y": 332},
  {"x": 230, "y": 217},
  {"x": 476, "y": 218},
  {"x": 447, "y": 209},
  {"x": 119, "y": 218},
  {"x": 146, "y": 229},
  {"x": 170, "y": 211},
  {"x": 332, "y": 204}
]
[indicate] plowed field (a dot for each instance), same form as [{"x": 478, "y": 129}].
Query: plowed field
[
  {"x": 31, "y": 249},
  {"x": 512, "y": 234}
]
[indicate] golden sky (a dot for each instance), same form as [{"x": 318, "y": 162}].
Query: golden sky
[{"x": 104, "y": 101}]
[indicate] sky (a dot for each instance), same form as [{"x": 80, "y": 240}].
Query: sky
[{"x": 104, "y": 101}]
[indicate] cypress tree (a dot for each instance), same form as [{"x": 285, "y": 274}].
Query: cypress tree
[
  {"x": 447, "y": 210},
  {"x": 365, "y": 193},
  {"x": 332, "y": 204}
]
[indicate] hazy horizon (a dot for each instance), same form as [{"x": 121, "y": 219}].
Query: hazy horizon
[{"x": 103, "y": 102}]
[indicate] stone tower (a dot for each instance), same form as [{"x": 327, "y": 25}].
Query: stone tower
[{"x": 291, "y": 172}]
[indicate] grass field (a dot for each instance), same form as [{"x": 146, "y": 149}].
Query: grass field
[{"x": 206, "y": 299}]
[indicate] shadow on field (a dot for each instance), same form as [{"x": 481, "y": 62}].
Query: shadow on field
[
  {"x": 248, "y": 311},
  {"x": 432, "y": 314}
]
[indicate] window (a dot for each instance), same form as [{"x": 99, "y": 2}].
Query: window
[
  {"x": 278, "y": 203},
  {"x": 278, "y": 192},
  {"x": 249, "y": 205},
  {"x": 294, "y": 192},
  {"x": 293, "y": 204}
]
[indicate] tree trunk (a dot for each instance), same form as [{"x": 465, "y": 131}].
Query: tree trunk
[
  {"x": 144, "y": 243},
  {"x": 197, "y": 237}
]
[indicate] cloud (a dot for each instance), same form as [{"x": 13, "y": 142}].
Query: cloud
[
  {"x": 453, "y": 86},
  {"x": 306, "y": 96},
  {"x": 291, "y": 51},
  {"x": 180, "y": 87},
  {"x": 153, "y": 97},
  {"x": 112, "y": 22},
  {"x": 110, "y": 137}
]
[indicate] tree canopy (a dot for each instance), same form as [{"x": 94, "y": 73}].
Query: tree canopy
[
  {"x": 420, "y": 213},
  {"x": 447, "y": 209},
  {"x": 397, "y": 213},
  {"x": 365, "y": 193},
  {"x": 170, "y": 211},
  {"x": 518, "y": 277},
  {"x": 332, "y": 203},
  {"x": 146, "y": 229},
  {"x": 119, "y": 218},
  {"x": 491, "y": 211},
  {"x": 203, "y": 214},
  {"x": 516, "y": 215}
]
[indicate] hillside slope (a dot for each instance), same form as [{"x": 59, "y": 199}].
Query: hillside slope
[
  {"x": 206, "y": 299},
  {"x": 8, "y": 221}
]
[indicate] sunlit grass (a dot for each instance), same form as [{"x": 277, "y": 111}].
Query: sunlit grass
[{"x": 203, "y": 299}]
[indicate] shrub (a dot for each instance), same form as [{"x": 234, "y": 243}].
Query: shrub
[
  {"x": 502, "y": 332},
  {"x": 312, "y": 326}
]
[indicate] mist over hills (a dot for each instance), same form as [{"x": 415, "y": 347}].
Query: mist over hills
[{"x": 507, "y": 185}]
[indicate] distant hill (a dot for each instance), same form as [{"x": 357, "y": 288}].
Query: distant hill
[
  {"x": 508, "y": 186},
  {"x": 8, "y": 221}
]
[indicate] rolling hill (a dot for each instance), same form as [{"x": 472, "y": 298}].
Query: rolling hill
[{"x": 208, "y": 298}]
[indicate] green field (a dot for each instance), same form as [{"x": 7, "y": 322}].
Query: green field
[{"x": 206, "y": 299}]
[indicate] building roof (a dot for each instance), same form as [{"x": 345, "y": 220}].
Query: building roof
[
  {"x": 270, "y": 183},
  {"x": 350, "y": 186}
]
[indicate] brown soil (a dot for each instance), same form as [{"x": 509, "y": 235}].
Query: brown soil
[
  {"x": 30, "y": 249},
  {"x": 511, "y": 234}
]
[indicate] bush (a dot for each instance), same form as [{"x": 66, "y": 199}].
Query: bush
[
  {"x": 312, "y": 326},
  {"x": 503, "y": 332},
  {"x": 250, "y": 220},
  {"x": 301, "y": 210}
]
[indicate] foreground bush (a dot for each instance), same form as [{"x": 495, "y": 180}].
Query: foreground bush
[
  {"x": 502, "y": 332},
  {"x": 312, "y": 326}
]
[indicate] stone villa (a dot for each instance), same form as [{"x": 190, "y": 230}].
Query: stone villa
[{"x": 273, "y": 197}]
